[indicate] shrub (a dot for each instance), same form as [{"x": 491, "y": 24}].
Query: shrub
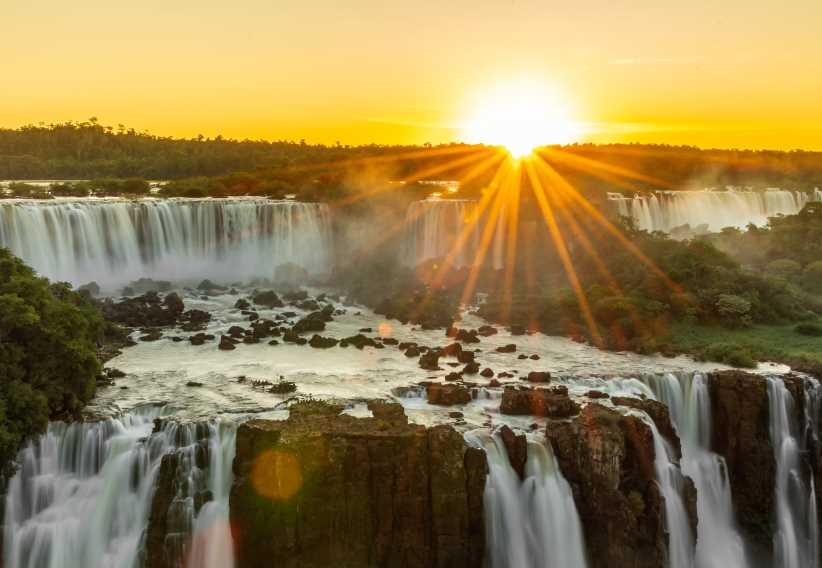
[
  {"x": 810, "y": 329},
  {"x": 733, "y": 310},
  {"x": 730, "y": 354},
  {"x": 784, "y": 268},
  {"x": 812, "y": 277}
]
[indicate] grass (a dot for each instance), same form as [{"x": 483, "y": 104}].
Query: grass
[{"x": 743, "y": 347}]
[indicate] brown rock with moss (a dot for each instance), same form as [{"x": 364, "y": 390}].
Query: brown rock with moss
[
  {"x": 608, "y": 458},
  {"x": 325, "y": 489}
]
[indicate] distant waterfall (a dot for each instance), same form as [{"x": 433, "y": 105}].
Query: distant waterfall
[
  {"x": 719, "y": 544},
  {"x": 83, "y": 494},
  {"x": 441, "y": 228},
  {"x": 530, "y": 523},
  {"x": 114, "y": 241},
  {"x": 796, "y": 537},
  {"x": 666, "y": 210}
]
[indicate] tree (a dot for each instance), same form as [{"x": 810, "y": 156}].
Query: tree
[{"x": 48, "y": 363}]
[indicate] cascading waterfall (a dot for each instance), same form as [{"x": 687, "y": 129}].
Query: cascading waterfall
[
  {"x": 83, "y": 492},
  {"x": 666, "y": 210},
  {"x": 440, "y": 228},
  {"x": 719, "y": 543},
  {"x": 114, "y": 241},
  {"x": 531, "y": 522},
  {"x": 796, "y": 536},
  {"x": 672, "y": 486}
]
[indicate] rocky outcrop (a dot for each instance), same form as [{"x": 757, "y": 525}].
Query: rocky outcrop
[
  {"x": 554, "y": 402},
  {"x": 608, "y": 458},
  {"x": 741, "y": 435},
  {"x": 325, "y": 489},
  {"x": 148, "y": 310}
]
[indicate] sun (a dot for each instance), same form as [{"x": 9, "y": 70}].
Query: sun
[{"x": 520, "y": 116}]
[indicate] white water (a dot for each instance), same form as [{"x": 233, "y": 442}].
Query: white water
[
  {"x": 83, "y": 493},
  {"x": 672, "y": 486},
  {"x": 440, "y": 228},
  {"x": 666, "y": 210},
  {"x": 796, "y": 535},
  {"x": 115, "y": 241},
  {"x": 719, "y": 543},
  {"x": 530, "y": 523}
]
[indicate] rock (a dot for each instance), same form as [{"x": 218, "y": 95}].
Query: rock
[
  {"x": 295, "y": 296},
  {"x": 465, "y": 357},
  {"x": 193, "y": 384},
  {"x": 518, "y": 330},
  {"x": 522, "y": 356},
  {"x": 451, "y": 350},
  {"x": 267, "y": 299},
  {"x": 209, "y": 286},
  {"x": 250, "y": 339},
  {"x": 554, "y": 402},
  {"x": 319, "y": 342},
  {"x": 194, "y": 320},
  {"x": 740, "y": 411},
  {"x": 359, "y": 341},
  {"x": 92, "y": 289},
  {"x": 487, "y": 373},
  {"x": 242, "y": 304},
  {"x": 147, "y": 311},
  {"x": 113, "y": 373},
  {"x": 430, "y": 361},
  {"x": 534, "y": 357},
  {"x": 658, "y": 413},
  {"x": 283, "y": 387},
  {"x": 467, "y": 336},
  {"x": 516, "y": 446},
  {"x": 504, "y": 375},
  {"x": 471, "y": 368},
  {"x": 447, "y": 394},
  {"x": 608, "y": 459},
  {"x": 595, "y": 394},
  {"x": 453, "y": 376},
  {"x": 412, "y": 351},
  {"x": 487, "y": 330},
  {"x": 143, "y": 285},
  {"x": 494, "y": 383},
  {"x": 236, "y": 331},
  {"x": 539, "y": 377},
  {"x": 362, "y": 491},
  {"x": 273, "y": 342},
  {"x": 315, "y": 321},
  {"x": 389, "y": 341},
  {"x": 152, "y": 335},
  {"x": 226, "y": 344},
  {"x": 200, "y": 338},
  {"x": 510, "y": 348}
]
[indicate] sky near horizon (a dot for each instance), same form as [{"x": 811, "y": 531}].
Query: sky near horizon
[{"x": 733, "y": 73}]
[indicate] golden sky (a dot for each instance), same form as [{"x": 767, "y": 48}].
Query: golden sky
[{"x": 720, "y": 73}]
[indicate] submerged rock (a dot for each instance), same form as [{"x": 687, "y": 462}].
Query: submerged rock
[
  {"x": 327, "y": 489},
  {"x": 226, "y": 344}
]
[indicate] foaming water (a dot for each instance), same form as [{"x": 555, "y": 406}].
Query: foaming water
[
  {"x": 533, "y": 522},
  {"x": 796, "y": 535},
  {"x": 719, "y": 543},
  {"x": 114, "y": 241},
  {"x": 82, "y": 495},
  {"x": 666, "y": 210}
]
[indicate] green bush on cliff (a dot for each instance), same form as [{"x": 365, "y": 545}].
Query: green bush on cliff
[{"x": 48, "y": 365}]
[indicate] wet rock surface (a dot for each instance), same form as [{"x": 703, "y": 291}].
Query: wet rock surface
[{"x": 325, "y": 489}]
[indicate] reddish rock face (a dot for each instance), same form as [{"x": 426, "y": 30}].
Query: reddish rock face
[
  {"x": 516, "y": 446},
  {"x": 608, "y": 458},
  {"x": 553, "y": 402},
  {"x": 324, "y": 489}
]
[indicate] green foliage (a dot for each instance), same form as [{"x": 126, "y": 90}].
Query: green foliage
[
  {"x": 48, "y": 336},
  {"x": 734, "y": 310},
  {"x": 812, "y": 277},
  {"x": 809, "y": 329},
  {"x": 784, "y": 268}
]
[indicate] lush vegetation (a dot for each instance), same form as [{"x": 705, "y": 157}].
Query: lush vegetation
[
  {"x": 689, "y": 297},
  {"x": 48, "y": 363},
  {"x": 119, "y": 160}
]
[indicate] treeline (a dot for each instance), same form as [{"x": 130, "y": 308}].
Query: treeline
[{"x": 89, "y": 150}]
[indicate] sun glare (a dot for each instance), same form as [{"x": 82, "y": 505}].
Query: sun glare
[{"x": 520, "y": 117}]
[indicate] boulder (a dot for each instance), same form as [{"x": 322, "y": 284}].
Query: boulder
[
  {"x": 267, "y": 299},
  {"x": 510, "y": 348},
  {"x": 430, "y": 361},
  {"x": 319, "y": 342},
  {"x": 447, "y": 394},
  {"x": 516, "y": 446},
  {"x": 554, "y": 402},
  {"x": 226, "y": 344},
  {"x": 539, "y": 377}
]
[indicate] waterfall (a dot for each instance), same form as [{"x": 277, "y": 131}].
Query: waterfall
[
  {"x": 114, "y": 241},
  {"x": 719, "y": 543},
  {"x": 796, "y": 535},
  {"x": 434, "y": 227},
  {"x": 82, "y": 495},
  {"x": 530, "y": 523},
  {"x": 672, "y": 485},
  {"x": 666, "y": 210}
]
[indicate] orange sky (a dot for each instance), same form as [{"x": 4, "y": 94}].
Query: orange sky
[{"x": 727, "y": 73}]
